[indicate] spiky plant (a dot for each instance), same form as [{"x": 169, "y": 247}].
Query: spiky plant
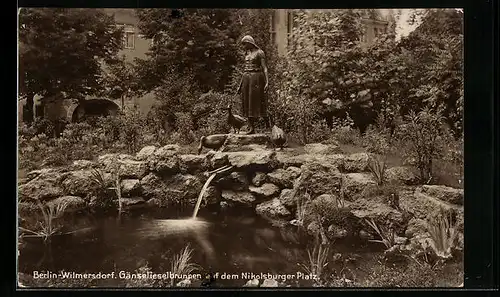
[
  {"x": 377, "y": 168},
  {"x": 181, "y": 263},
  {"x": 98, "y": 178},
  {"x": 443, "y": 235},
  {"x": 47, "y": 227},
  {"x": 386, "y": 238},
  {"x": 317, "y": 260},
  {"x": 102, "y": 186}
]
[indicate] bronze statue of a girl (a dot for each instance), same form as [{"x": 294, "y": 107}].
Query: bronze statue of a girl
[{"x": 254, "y": 83}]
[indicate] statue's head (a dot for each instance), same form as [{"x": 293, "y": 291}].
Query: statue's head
[{"x": 248, "y": 42}]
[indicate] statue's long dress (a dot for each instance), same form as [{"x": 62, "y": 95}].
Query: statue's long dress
[{"x": 254, "y": 101}]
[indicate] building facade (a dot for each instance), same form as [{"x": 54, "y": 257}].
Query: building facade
[
  {"x": 282, "y": 24},
  {"x": 135, "y": 45}
]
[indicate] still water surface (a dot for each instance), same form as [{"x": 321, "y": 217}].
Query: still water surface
[{"x": 235, "y": 242}]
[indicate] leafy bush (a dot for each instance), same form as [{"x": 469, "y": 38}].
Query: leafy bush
[
  {"x": 378, "y": 139},
  {"x": 319, "y": 132},
  {"x": 425, "y": 137},
  {"x": 132, "y": 126}
]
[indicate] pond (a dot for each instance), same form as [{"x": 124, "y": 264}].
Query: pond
[{"x": 235, "y": 242}]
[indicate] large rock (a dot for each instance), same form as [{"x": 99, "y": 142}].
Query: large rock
[
  {"x": 319, "y": 178},
  {"x": 237, "y": 181},
  {"x": 193, "y": 163},
  {"x": 356, "y": 162},
  {"x": 284, "y": 178},
  {"x": 83, "y": 165},
  {"x": 43, "y": 187},
  {"x": 321, "y": 149},
  {"x": 217, "y": 159},
  {"x": 212, "y": 195},
  {"x": 134, "y": 202},
  {"x": 130, "y": 187},
  {"x": 355, "y": 183},
  {"x": 273, "y": 211},
  {"x": 85, "y": 182},
  {"x": 286, "y": 160},
  {"x": 253, "y": 160},
  {"x": 444, "y": 193},
  {"x": 287, "y": 199},
  {"x": 245, "y": 148},
  {"x": 164, "y": 160},
  {"x": 267, "y": 190},
  {"x": 241, "y": 198},
  {"x": 259, "y": 179},
  {"x": 132, "y": 169},
  {"x": 423, "y": 206},
  {"x": 174, "y": 189},
  {"x": 153, "y": 186},
  {"x": 381, "y": 213},
  {"x": 242, "y": 139},
  {"x": 109, "y": 162},
  {"x": 145, "y": 153},
  {"x": 402, "y": 175},
  {"x": 43, "y": 173}
]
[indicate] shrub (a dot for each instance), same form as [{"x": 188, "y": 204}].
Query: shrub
[
  {"x": 184, "y": 125},
  {"x": 319, "y": 131},
  {"x": 344, "y": 132},
  {"x": 132, "y": 125},
  {"x": 425, "y": 136}
]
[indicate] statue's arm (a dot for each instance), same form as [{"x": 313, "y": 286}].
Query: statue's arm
[{"x": 264, "y": 67}]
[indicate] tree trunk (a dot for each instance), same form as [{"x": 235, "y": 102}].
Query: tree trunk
[{"x": 28, "y": 114}]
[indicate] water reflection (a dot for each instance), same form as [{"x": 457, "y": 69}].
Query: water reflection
[{"x": 228, "y": 243}]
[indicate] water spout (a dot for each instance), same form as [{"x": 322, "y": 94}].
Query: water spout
[{"x": 202, "y": 193}]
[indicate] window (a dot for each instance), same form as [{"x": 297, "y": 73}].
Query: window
[
  {"x": 129, "y": 40},
  {"x": 272, "y": 27},
  {"x": 289, "y": 27}
]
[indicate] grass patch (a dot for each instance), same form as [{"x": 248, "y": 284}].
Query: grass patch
[{"x": 181, "y": 263}]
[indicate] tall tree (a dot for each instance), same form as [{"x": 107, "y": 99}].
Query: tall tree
[
  {"x": 62, "y": 50},
  {"x": 197, "y": 42}
]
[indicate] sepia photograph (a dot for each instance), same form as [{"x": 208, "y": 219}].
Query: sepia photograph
[{"x": 240, "y": 148}]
